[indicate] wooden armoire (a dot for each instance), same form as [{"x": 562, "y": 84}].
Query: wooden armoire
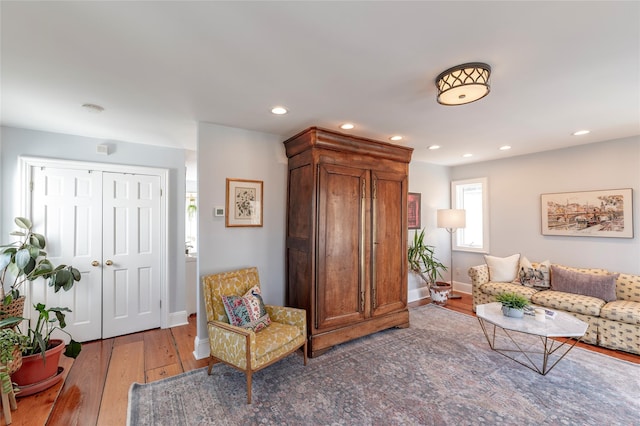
[{"x": 346, "y": 235}]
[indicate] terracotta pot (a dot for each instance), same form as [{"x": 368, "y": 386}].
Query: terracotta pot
[
  {"x": 34, "y": 369},
  {"x": 440, "y": 293}
]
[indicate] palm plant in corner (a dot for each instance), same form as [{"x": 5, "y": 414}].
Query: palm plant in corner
[
  {"x": 24, "y": 261},
  {"x": 423, "y": 262}
]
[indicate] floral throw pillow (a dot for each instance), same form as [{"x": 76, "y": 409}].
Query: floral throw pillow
[{"x": 247, "y": 311}]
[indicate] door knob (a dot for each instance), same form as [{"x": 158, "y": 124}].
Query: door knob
[
  {"x": 95, "y": 263},
  {"x": 108, "y": 263}
]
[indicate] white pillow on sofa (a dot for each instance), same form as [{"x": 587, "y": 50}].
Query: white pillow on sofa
[{"x": 503, "y": 269}]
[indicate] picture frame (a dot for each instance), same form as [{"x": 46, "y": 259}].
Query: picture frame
[
  {"x": 598, "y": 213},
  {"x": 244, "y": 203},
  {"x": 414, "y": 210}
]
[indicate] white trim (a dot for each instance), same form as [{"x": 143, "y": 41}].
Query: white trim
[
  {"x": 201, "y": 348},
  {"x": 417, "y": 294},
  {"x": 178, "y": 318},
  {"x": 26, "y": 163}
]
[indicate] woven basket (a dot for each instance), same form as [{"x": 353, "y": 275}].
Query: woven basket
[
  {"x": 15, "y": 365},
  {"x": 13, "y": 309}
]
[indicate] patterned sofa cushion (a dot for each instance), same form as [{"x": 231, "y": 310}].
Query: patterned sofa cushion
[
  {"x": 494, "y": 289},
  {"x": 628, "y": 287},
  {"x": 568, "y": 302},
  {"x": 622, "y": 311}
]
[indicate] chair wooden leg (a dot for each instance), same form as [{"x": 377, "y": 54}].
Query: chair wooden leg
[
  {"x": 6, "y": 407},
  {"x": 211, "y": 362},
  {"x": 304, "y": 351},
  {"x": 249, "y": 387}
]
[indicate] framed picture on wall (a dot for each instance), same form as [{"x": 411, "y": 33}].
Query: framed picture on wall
[
  {"x": 413, "y": 210},
  {"x": 606, "y": 213},
  {"x": 244, "y": 203}
]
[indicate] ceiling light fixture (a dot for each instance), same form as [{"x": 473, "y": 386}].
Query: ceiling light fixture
[
  {"x": 581, "y": 132},
  {"x": 504, "y": 147},
  {"x": 432, "y": 147},
  {"x": 93, "y": 108},
  {"x": 347, "y": 126},
  {"x": 463, "y": 84},
  {"x": 467, "y": 155},
  {"x": 279, "y": 110},
  {"x": 395, "y": 138}
]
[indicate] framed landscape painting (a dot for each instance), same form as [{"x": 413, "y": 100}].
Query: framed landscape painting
[
  {"x": 413, "y": 210},
  {"x": 244, "y": 203},
  {"x": 606, "y": 213}
]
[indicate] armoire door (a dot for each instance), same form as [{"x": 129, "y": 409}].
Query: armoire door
[
  {"x": 389, "y": 235},
  {"x": 107, "y": 225},
  {"x": 341, "y": 280}
]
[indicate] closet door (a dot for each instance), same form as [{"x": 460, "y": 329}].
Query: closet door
[
  {"x": 66, "y": 208},
  {"x": 132, "y": 253}
]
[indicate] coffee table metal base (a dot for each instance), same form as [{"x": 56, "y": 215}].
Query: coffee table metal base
[{"x": 549, "y": 347}]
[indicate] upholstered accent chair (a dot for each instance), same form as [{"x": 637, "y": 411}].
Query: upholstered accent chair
[{"x": 243, "y": 348}]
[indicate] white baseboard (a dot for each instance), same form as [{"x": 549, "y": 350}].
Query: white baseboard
[
  {"x": 201, "y": 346},
  {"x": 177, "y": 318}
]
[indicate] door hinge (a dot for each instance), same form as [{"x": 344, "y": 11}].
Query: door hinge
[
  {"x": 31, "y": 186},
  {"x": 161, "y": 192}
]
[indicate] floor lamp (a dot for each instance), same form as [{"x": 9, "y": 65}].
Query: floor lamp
[{"x": 451, "y": 220}]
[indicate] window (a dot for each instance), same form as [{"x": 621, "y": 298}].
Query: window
[{"x": 472, "y": 196}]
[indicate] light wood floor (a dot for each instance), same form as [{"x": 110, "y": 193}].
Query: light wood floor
[{"x": 95, "y": 390}]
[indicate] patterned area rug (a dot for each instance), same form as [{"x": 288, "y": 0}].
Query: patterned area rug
[{"x": 440, "y": 371}]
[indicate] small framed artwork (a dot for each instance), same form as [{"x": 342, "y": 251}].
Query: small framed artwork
[
  {"x": 606, "y": 213},
  {"x": 413, "y": 210},
  {"x": 244, "y": 202}
]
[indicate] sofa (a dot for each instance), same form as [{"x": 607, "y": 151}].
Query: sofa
[{"x": 608, "y": 302}]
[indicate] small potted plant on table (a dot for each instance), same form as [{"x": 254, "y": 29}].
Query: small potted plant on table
[{"x": 512, "y": 304}]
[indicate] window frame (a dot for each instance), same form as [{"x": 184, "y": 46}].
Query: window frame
[{"x": 455, "y": 204}]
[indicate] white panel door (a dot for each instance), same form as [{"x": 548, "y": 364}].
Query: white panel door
[
  {"x": 66, "y": 208},
  {"x": 131, "y": 253}
]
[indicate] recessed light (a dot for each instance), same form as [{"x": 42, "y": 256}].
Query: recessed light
[
  {"x": 396, "y": 138},
  {"x": 581, "y": 132},
  {"x": 504, "y": 147},
  {"x": 93, "y": 108},
  {"x": 279, "y": 110},
  {"x": 347, "y": 126},
  {"x": 467, "y": 155},
  {"x": 434, "y": 147}
]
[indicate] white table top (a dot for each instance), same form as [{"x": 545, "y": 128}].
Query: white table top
[{"x": 563, "y": 325}]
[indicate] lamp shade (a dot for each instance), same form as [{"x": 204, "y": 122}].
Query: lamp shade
[
  {"x": 463, "y": 84},
  {"x": 451, "y": 218}
]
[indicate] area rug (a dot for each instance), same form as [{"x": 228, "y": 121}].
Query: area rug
[{"x": 439, "y": 371}]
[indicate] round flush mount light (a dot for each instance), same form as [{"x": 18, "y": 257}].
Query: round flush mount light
[
  {"x": 505, "y": 147},
  {"x": 96, "y": 109},
  {"x": 463, "y": 84},
  {"x": 581, "y": 132},
  {"x": 347, "y": 126},
  {"x": 467, "y": 155},
  {"x": 395, "y": 138},
  {"x": 432, "y": 147},
  {"x": 278, "y": 110}
]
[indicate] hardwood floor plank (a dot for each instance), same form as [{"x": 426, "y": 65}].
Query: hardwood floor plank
[
  {"x": 79, "y": 401},
  {"x": 163, "y": 372},
  {"x": 184, "y": 337},
  {"x": 125, "y": 368},
  {"x": 159, "y": 349}
]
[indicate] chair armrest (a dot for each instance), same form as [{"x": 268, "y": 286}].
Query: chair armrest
[
  {"x": 229, "y": 343},
  {"x": 285, "y": 315},
  {"x": 479, "y": 275}
]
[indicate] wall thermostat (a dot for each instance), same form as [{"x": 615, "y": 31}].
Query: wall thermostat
[{"x": 218, "y": 211}]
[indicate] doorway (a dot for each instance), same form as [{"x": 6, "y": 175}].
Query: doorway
[{"x": 108, "y": 221}]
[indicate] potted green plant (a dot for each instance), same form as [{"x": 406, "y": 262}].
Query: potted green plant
[
  {"x": 512, "y": 304},
  {"x": 423, "y": 262},
  {"x": 24, "y": 261}
]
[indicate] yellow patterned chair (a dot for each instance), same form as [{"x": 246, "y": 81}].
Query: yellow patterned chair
[{"x": 243, "y": 348}]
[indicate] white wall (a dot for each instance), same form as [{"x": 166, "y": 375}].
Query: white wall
[
  {"x": 226, "y": 152},
  {"x": 515, "y": 185},
  {"x": 21, "y": 142}
]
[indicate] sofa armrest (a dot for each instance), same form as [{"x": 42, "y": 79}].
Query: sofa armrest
[{"x": 479, "y": 275}]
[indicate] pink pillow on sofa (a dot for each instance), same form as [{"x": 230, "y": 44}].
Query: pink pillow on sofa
[{"x": 600, "y": 286}]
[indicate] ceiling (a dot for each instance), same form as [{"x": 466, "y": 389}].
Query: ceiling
[{"x": 158, "y": 68}]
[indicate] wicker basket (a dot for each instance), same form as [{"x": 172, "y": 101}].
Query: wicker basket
[
  {"x": 13, "y": 309},
  {"x": 15, "y": 365}
]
